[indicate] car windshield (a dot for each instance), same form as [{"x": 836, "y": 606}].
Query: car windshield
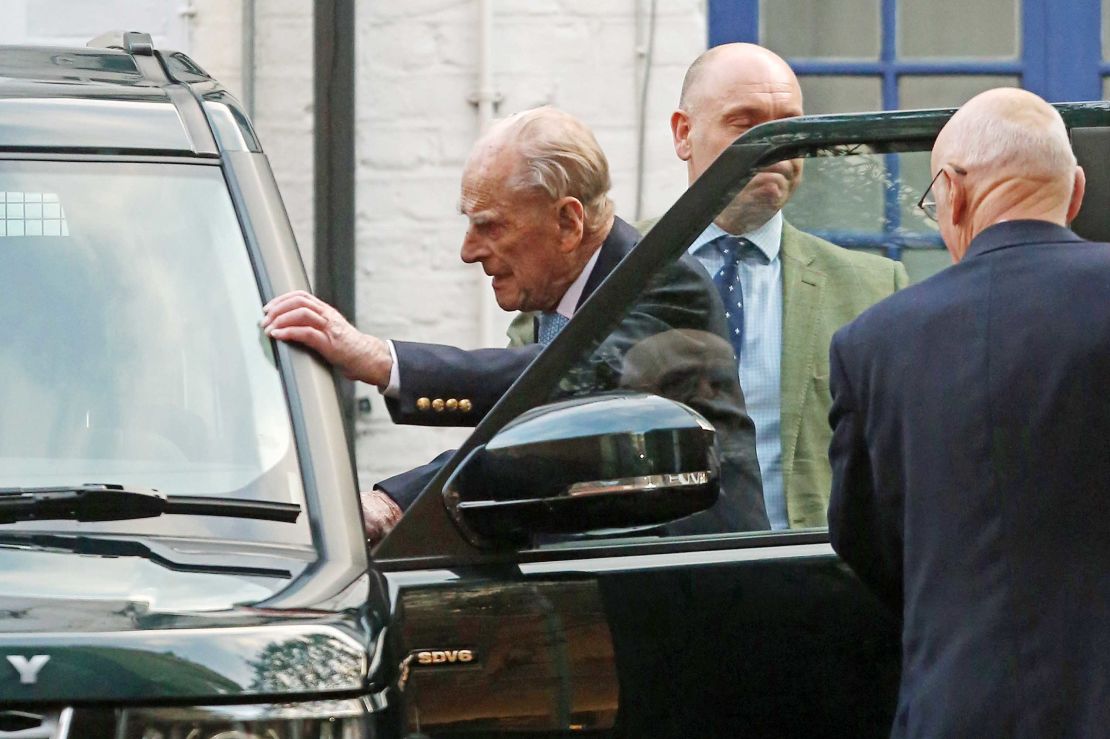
[{"x": 131, "y": 348}]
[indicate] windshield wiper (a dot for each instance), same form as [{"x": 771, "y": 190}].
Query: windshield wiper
[
  {"x": 159, "y": 554},
  {"x": 107, "y": 502}
]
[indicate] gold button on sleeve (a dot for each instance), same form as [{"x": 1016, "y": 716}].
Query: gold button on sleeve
[
  {"x": 465, "y": 405},
  {"x": 423, "y": 404},
  {"x": 452, "y": 404},
  {"x": 437, "y": 405}
]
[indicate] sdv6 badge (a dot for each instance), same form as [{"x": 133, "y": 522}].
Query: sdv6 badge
[{"x": 444, "y": 656}]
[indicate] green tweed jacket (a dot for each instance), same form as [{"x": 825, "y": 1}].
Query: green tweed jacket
[{"x": 824, "y": 287}]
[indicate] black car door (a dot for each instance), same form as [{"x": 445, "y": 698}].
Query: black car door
[{"x": 644, "y": 631}]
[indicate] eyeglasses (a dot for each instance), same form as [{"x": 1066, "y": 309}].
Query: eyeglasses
[{"x": 928, "y": 202}]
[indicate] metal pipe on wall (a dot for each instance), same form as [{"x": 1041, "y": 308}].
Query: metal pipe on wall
[
  {"x": 188, "y": 13},
  {"x": 486, "y": 97},
  {"x": 645, "y": 52},
  {"x": 248, "y": 63}
]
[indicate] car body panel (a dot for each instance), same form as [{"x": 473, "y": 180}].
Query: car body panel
[
  {"x": 158, "y": 664},
  {"x": 763, "y": 641},
  {"x": 497, "y": 655}
]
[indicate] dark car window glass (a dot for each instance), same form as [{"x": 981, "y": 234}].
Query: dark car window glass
[
  {"x": 131, "y": 348},
  {"x": 848, "y": 200}
]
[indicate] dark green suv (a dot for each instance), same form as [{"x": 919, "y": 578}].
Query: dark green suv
[
  {"x": 180, "y": 534},
  {"x": 178, "y": 518}
]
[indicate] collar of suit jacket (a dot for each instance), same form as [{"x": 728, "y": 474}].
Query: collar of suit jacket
[
  {"x": 569, "y": 302},
  {"x": 622, "y": 237},
  {"x": 1017, "y": 233}
]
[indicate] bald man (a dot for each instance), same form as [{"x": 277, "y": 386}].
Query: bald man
[
  {"x": 971, "y": 479},
  {"x": 797, "y": 289}
]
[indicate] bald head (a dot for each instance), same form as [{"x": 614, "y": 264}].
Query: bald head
[
  {"x": 1008, "y": 132},
  {"x": 737, "y": 65},
  {"x": 1014, "y": 149},
  {"x": 728, "y": 90}
]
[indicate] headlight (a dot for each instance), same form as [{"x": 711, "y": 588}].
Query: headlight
[{"x": 346, "y": 719}]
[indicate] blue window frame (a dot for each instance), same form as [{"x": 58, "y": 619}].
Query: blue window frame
[
  {"x": 1061, "y": 59},
  {"x": 1061, "y": 49}
]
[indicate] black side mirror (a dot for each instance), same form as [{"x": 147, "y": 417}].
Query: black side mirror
[{"x": 615, "y": 461}]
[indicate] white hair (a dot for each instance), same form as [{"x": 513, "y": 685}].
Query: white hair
[{"x": 561, "y": 157}]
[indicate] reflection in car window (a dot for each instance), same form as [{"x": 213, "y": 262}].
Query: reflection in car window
[
  {"x": 132, "y": 353},
  {"x": 850, "y": 212}
]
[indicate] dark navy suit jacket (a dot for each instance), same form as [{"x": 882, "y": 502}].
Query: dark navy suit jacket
[
  {"x": 971, "y": 483},
  {"x": 681, "y": 297}
]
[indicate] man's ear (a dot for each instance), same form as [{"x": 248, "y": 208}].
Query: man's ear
[
  {"x": 572, "y": 222},
  {"x": 680, "y": 132},
  {"x": 1077, "y": 191}
]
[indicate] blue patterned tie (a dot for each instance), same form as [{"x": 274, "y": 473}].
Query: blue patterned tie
[
  {"x": 550, "y": 324},
  {"x": 728, "y": 285}
]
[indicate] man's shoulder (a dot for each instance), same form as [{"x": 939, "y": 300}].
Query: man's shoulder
[
  {"x": 798, "y": 244},
  {"x": 868, "y": 277},
  {"x": 645, "y": 225},
  {"x": 888, "y": 319}
]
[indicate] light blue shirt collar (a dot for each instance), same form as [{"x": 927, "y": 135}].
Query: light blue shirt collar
[{"x": 767, "y": 238}]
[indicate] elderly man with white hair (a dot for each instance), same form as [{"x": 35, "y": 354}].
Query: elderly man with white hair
[
  {"x": 971, "y": 414},
  {"x": 541, "y": 223}
]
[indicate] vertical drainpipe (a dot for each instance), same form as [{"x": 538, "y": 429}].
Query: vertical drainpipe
[
  {"x": 334, "y": 164},
  {"x": 247, "y": 63},
  {"x": 188, "y": 13},
  {"x": 486, "y": 99}
]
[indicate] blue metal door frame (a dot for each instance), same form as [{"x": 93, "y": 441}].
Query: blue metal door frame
[{"x": 1060, "y": 59}]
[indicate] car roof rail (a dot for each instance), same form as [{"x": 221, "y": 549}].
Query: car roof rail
[
  {"x": 133, "y": 42},
  {"x": 141, "y": 48},
  {"x": 150, "y": 63}
]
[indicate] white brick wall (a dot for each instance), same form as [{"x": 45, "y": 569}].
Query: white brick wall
[
  {"x": 283, "y": 95},
  {"x": 417, "y": 67},
  {"x": 74, "y": 22}
]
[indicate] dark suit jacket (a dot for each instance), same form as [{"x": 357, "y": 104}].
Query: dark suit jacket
[
  {"x": 681, "y": 297},
  {"x": 971, "y": 483}
]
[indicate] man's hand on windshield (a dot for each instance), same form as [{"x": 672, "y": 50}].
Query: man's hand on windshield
[
  {"x": 379, "y": 514},
  {"x": 303, "y": 318}
]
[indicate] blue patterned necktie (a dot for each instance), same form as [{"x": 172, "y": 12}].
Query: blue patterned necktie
[
  {"x": 550, "y": 324},
  {"x": 728, "y": 285}
]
